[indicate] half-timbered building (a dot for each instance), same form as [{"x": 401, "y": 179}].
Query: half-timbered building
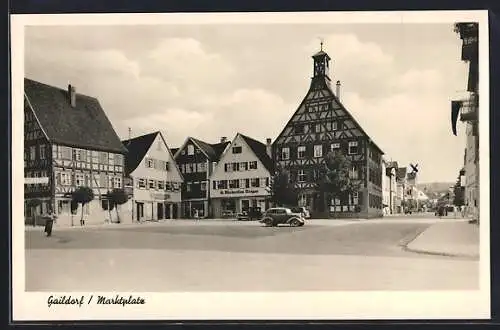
[
  {"x": 197, "y": 160},
  {"x": 69, "y": 140},
  {"x": 155, "y": 179},
  {"x": 241, "y": 179},
  {"x": 322, "y": 124}
]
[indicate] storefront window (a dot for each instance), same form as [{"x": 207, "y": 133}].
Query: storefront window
[{"x": 228, "y": 205}]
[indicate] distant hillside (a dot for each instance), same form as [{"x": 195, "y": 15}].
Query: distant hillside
[{"x": 434, "y": 189}]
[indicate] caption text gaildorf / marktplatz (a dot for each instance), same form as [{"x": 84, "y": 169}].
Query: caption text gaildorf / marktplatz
[{"x": 98, "y": 300}]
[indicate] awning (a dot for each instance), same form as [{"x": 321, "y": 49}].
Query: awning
[{"x": 455, "y": 109}]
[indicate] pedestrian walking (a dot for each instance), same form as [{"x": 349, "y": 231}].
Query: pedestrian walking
[
  {"x": 195, "y": 212},
  {"x": 49, "y": 223}
]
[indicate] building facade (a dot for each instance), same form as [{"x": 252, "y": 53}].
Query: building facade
[
  {"x": 320, "y": 125},
  {"x": 401, "y": 186},
  {"x": 469, "y": 115},
  {"x": 70, "y": 142},
  {"x": 389, "y": 187},
  {"x": 241, "y": 178},
  {"x": 196, "y": 160},
  {"x": 154, "y": 177}
]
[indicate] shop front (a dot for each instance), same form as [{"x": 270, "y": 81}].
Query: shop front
[
  {"x": 227, "y": 203},
  {"x": 159, "y": 206}
]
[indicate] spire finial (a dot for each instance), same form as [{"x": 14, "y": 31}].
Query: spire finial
[{"x": 321, "y": 43}]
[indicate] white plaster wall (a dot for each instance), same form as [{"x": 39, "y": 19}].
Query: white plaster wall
[
  {"x": 246, "y": 155},
  {"x": 143, "y": 172}
]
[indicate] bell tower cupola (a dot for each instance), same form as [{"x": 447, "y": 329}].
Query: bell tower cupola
[{"x": 321, "y": 64}]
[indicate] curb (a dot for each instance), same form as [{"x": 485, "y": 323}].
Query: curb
[{"x": 404, "y": 247}]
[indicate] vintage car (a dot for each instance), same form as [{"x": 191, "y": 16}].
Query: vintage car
[
  {"x": 253, "y": 213},
  {"x": 303, "y": 210},
  {"x": 282, "y": 215}
]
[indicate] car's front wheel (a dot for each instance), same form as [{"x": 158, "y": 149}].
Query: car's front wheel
[{"x": 295, "y": 223}]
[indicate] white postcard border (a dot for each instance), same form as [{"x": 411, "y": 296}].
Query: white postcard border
[{"x": 255, "y": 305}]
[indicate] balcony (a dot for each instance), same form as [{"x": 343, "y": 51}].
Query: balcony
[{"x": 469, "y": 109}]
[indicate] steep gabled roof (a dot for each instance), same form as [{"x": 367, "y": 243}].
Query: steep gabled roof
[
  {"x": 326, "y": 83},
  {"x": 137, "y": 149},
  {"x": 260, "y": 150},
  {"x": 212, "y": 151},
  {"x": 85, "y": 125}
]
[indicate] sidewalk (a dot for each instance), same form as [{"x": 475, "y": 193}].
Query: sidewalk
[{"x": 458, "y": 238}]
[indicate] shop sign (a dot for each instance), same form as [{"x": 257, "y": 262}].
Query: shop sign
[
  {"x": 39, "y": 180},
  {"x": 239, "y": 191},
  {"x": 160, "y": 196}
]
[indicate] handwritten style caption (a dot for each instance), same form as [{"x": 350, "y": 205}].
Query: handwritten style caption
[{"x": 96, "y": 300}]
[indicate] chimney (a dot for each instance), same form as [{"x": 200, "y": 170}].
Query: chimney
[
  {"x": 223, "y": 139},
  {"x": 337, "y": 91},
  {"x": 72, "y": 95},
  {"x": 269, "y": 148}
]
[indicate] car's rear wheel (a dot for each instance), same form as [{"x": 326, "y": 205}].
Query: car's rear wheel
[{"x": 268, "y": 222}]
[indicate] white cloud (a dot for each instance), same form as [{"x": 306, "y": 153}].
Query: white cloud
[
  {"x": 409, "y": 129},
  {"x": 188, "y": 64},
  {"x": 183, "y": 87}
]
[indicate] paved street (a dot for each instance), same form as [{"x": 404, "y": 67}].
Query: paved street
[{"x": 240, "y": 256}]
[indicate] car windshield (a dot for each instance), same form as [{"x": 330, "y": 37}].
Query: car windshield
[{"x": 297, "y": 209}]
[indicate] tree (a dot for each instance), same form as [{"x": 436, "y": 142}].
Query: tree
[
  {"x": 283, "y": 193},
  {"x": 82, "y": 196},
  {"x": 334, "y": 180},
  {"x": 117, "y": 197}
]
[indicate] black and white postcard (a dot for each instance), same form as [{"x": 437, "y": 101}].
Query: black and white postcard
[{"x": 327, "y": 165}]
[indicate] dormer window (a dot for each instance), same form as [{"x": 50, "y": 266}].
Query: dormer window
[{"x": 190, "y": 150}]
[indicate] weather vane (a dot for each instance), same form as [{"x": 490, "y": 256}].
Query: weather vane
[{"x": 321, "y": 43}]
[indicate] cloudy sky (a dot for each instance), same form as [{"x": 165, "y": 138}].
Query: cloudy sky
[{"x": 209, "y": 81}]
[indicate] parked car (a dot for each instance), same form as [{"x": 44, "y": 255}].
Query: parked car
[
  {"x": 282, "y": 215},
  {"x": 303, "y": 210},
  {"x": 253, "y": 213}
]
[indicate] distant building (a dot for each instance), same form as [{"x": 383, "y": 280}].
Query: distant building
[
  {"x": 320, "y": 125},
  {"x": 197, "y": 160},
  {"x": 69, "y": 142},
  {"x": 153, "y": 176},
  {"x": 420, "y": 195},
  {"x": 241, "y": 178}
]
